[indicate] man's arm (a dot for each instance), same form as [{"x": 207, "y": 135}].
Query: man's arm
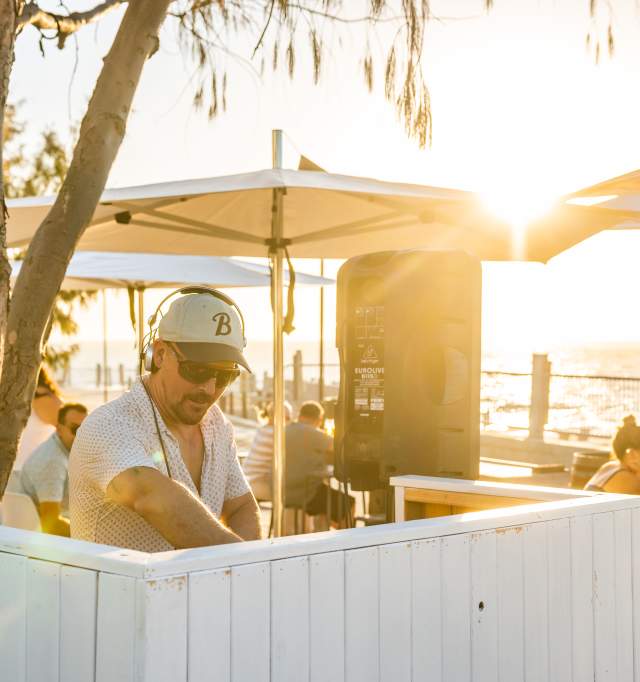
[
  {"x": 169, "y": 507},
  {"x": 242, "y": 515},
  {"x": 50, "y": 519}
]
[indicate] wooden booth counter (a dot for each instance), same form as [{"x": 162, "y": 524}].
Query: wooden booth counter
[{"x": 424, "y": 497}]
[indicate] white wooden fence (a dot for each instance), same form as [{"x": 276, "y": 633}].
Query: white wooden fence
[{"x": 549, "y": 591}]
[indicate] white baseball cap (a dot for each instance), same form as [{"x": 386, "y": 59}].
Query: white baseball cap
[{"x": 205, "y": 329}]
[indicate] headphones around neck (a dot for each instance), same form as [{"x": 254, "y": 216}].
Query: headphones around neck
[{"x": 146, "y": 352}]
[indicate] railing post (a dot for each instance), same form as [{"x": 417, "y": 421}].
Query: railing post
[
  {"x": 540, "y": 384},
  {"x": 297, "y": 376}
]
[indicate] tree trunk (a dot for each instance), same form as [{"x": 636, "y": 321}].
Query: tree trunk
[
  {"x": 43, "y": 270},
  {"x": 9, "y": 10}
]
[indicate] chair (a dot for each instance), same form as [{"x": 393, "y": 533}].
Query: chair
[{"x": 19, "y": 511}]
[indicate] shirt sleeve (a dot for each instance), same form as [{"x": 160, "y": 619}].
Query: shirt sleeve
[
  {"x": 323, "y": 442},
  {"x": 236, "y": 482},
  {"x": 105, "y": 447},
  {"x": 48, "y": 479}
]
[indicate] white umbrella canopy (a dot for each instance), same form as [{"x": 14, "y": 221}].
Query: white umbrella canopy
[
  {"x": 616, "y": 195},
  {"x": 102, "y": 270},
  {"x": 323, "y": 215}
]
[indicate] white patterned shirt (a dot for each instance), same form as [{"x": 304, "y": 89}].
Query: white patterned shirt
[{"x": 121, "y": 435}]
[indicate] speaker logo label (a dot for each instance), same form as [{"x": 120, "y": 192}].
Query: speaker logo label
[
  {"x": 370, "y": 356},
  {"x": 224, "y": 324}
]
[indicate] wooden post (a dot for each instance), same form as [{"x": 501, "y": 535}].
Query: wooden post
[
  {"x": 244, "y": 395},
  {"x": 98, "y": 375},
  {"x": 540, "y": 384},
  {"x": 298, "y": 386},
  {"x": 121, "y": 374}
]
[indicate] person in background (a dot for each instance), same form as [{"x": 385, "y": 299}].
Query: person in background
[
  {"x": 621, "y": 475},
  {"x": 259, "y": 463},
  {"x": 43, "y": 419},
  {"x": 44, "y": 476},
  {"x": 309, "y": 453}
]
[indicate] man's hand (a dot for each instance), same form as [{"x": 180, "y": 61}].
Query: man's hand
[
  {"x": 50, "y": 519},
  {"x": 178, "y": 515}
]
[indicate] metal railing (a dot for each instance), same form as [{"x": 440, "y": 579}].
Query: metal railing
[{"x": 585, "y": 406}]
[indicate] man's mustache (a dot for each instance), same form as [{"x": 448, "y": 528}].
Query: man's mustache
[{"x": 200, "y": 398}]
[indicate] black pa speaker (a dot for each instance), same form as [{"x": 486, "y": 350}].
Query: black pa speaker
[{"x": 408, "y": 334}]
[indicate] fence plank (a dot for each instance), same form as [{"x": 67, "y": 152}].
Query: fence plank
[
  {"x": 456, "y": 616},
  {"x": 635, "y": 549},
  {"x": 161, "y": 654},
  {"x": 395, "y": 612},
  {"x": 604, "y": 597},
  {"x": 484, "y": 607},
  {"x": 559, "y": 561},
  {"x": 78, "y": 606},
  {"x": 13, "y": 621},
  {"x": 43, "y": 621},
  {"x": 624, "y": 596},
  {"x": 250, "y": 634},
  {"x": 582, "y": 597},
  {"x": 116, "y": 628},
  {"x": 510, "y": 604},
  {"x": 326, "y": 627},
  {"x": 290, "y": 620},
  {"x": 426, "y": 617},
  {"x": 536, "y": 606},
  {"x": 210, "y": 625},
  {"x": 361, "y": 615}
]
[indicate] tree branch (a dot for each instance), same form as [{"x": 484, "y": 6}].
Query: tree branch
[{"x": 63, "y": 24}]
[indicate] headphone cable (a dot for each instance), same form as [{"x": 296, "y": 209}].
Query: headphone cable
[{"x": 155, "y": 419}]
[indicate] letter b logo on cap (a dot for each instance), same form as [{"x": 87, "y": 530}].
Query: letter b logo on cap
[{"x": 224, "y": 324}]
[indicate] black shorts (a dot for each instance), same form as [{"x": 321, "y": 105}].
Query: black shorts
[{"x": 318, "y": 503}]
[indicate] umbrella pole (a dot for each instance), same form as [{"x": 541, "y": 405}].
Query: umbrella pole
[
  {"x": 276, "y": 254},
  {"x": 105, "y": 348},
  {"x": 141, "y": 321}
]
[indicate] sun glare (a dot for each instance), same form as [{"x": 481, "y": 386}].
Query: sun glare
[{"x": 516, "y": 207}]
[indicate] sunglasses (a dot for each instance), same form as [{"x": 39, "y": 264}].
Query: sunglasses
[
  {"x": 200, "y": 373},
  {"x": 74, "y": 428}
]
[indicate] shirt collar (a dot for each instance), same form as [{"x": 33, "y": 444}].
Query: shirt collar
[{"x": 60, "y": 444}]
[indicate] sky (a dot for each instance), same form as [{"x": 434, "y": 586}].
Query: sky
[{"x": 521, "y": 113}]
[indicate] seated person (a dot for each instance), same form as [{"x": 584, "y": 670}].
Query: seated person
[
  {"x": 259, "y": 463},
  {"x": 43, "y": 417},
  {"x": 621, "y": 475},
  {"x": 44, "y": 475},
  {"x": 156, "y": 469},
  {"x": 309, "y": 451}
]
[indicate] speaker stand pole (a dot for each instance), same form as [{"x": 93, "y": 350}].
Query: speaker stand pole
[{"x": 321, "y": 368}]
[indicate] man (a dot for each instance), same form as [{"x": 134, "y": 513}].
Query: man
[
  {"x": 309, "y": 452},
  {"x": 156, "y": 469},
  {"x": 44, "y": 475}
]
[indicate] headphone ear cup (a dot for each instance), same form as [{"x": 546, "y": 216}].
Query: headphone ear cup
[{"x": 148, "y": 358}]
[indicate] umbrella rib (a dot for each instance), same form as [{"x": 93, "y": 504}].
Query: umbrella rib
[
  {"x": 131, "y": 207},
  {"x": 170, "y": 227},
  {"x": 353, "y": 231},
  {"x": 207, "y": 228},
  {"x": 345, "y": 228}
]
